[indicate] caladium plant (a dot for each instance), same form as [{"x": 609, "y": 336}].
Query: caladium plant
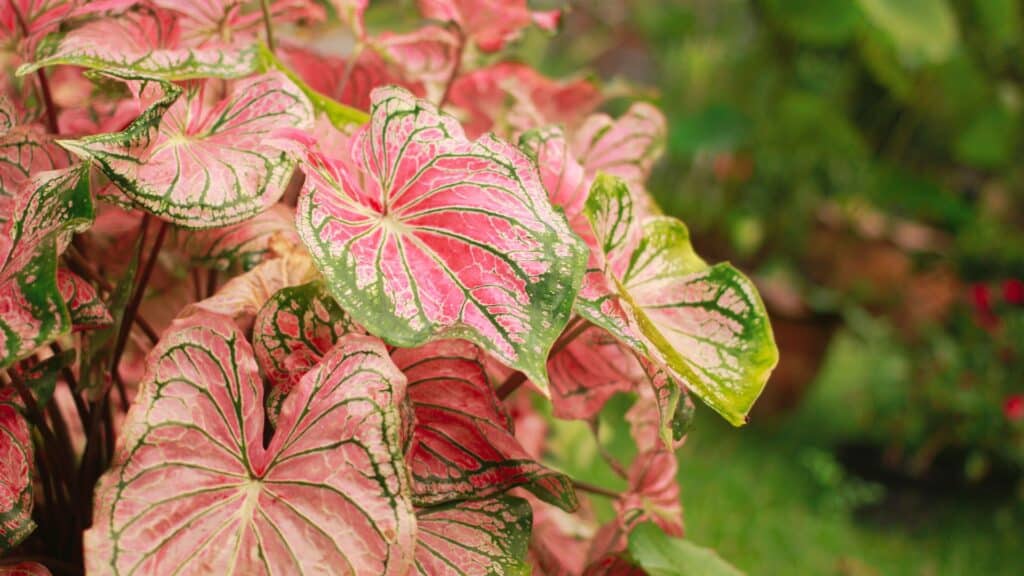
[{"x": 323, "y": 326}]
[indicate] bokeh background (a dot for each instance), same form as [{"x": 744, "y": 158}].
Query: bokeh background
[{"x": 861, "y": 160}]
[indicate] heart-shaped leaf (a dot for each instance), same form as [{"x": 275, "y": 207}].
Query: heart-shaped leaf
[
  {"x": 705, "y": 325},
  {"x": 205, "y": 164},
  {"x": 474, "y": 538},
  {"x": 25, "y": 150},
  {"x": 291, "y": 334},
  {"x": 85, "y": 307},
  {"x": 589, "y": 371},
  {"x": 463, "y": 443},
  {"x": 147, "y": 42},
  {"x": 194, "y": 490},
  {"x": 422, "y": 234},
  {"x": 16, "y": 465}
]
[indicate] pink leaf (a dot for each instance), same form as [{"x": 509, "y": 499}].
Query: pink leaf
[
  {"x": 473, "y": 538},
  {"x": 489, "y": 23},
  {"x": 422, "y": 234},
  {"x": 426, "y": 56},
  {"x": 206, "y": 164},
  {"x": 25, "y": 569},
  {"x": 463, "y": 442},
  {"x": 86, "y": 308},
  {"x": 247, "y": 243},
  {"x": 510, "y": 98},
  {"x": 16, "y": 465},
  {"x": 193, "y": 489},
  {"x": 351, "y": 12},
  {"x": 28, "y": 21},
  {"x": 589, "y": 371},
  {"x": 24, "y": 151},
  {"x": 626, "y": 147}
]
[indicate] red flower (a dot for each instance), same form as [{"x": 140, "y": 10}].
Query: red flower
[
  {"x": 1013, "y": 291},
  {"x": 981, "y": 299},
  {"x": 1013, "y": 407}
]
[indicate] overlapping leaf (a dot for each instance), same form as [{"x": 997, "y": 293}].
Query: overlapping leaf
[
  {"x": 193, "y": 490},
  {"x": 16, "y": 464},
  {"x": 85, "y": 307},
  {"x": 24, "y": 151},
  {"x": 474, "y": 538},
  {"x": 26, "y": 22},
  {"x": 489, "y": 23},
  {"x": 626, "y": 147},
  {"x": 422, "y": 234},
  {"x": 147, "y": 42},
  {"x": 589, "y": 371},
  {"x": 206, "y": 165},
  {"x": 705, "y": 325},
  {"x": 463, "y": 444},
  {"x": 291, "y": 334}
]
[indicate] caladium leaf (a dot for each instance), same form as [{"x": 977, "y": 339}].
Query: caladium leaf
[
  {"x": 26, "y": 22},
  {"x": 489, "y": 23},
  {"x": 422, "y": 234},
  {"x": 291, "y": 334},
  {"x": 206, "y": 165},
  {"x": 24, "y": 151},
  {"x": 147, "y": 42},
  {"x": 474, "y": 538},
  {"x": 510, "y": 98},
  {"x": 247, "y": 243},
  {"x": 626, "y": 147},
  {"x": 425, "y": 56},
  {"x": 243, "y": 296},
  {"x": 16, "y": 465},
  {"x": 589, "y": 371},
  {"x": 705, "y": 325},
  {"x": 463, "y": 443},
  {"x": 194, "y": 490},
  {"x": 85, "y": 307}
]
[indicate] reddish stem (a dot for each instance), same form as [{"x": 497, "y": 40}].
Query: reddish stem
[
  {"x": 572, "y": 331},
  {"x": 459, "y": 50},
  {"x": 44, "y": 84}
]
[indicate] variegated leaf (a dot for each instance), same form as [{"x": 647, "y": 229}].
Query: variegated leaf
[
  {"x": 85, "y": 307},
  {"x": 425, "y": 56},
  {"x": 247, "y": 243},
  {"x": 489, "y": 23},
  {"x": 463, "y": 443},
  {"x": 291, "y": 334},
  {"x": 626, "y": 147},
  {"x": 474, "y": 538},
  {"x": 706, "y": 325},
  {"x": 147, "y": 42},
  {"x": 423, "y": 234},
  {"x": 24, "y": 151},
  {"x": 16, "y": 465},
  {"x": 23, "y": 23},
  {"x": 193, "y": 490},
  {"x": 206, "y": 165},
  {"x": 563, "y": 177},
  {"x": 211, "y": 22}
]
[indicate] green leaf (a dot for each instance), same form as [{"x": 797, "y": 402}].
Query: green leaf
[
  {"x": 660, "y": 555},
  {"x": 339, "y": 114},
  {"x": 923, "y": 31},
  {"x": 825, "y": 22},
  {"x": 705, "y": 325}
]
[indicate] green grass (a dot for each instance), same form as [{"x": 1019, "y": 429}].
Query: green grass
[{"x": 749, "y": 494}]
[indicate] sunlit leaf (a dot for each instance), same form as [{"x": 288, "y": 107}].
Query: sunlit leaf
[
  {"x": 660, "y": 555},
  {"x": 474, "y": 538},
  {"x": 193, "y": 489},
  {"x": 206, "y": 164},
  {"x": 291, "y": 334},
  {"x": 147, "y": 42},
  {"x": 16, "y": 465},
  {"x": 422, "y": 234},
  {"x": 706, "y": 325},
  {"x": 85, "y": 307},
  {"x": 463, "y": 443}
]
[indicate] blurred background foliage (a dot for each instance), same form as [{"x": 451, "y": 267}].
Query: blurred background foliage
[{"x": 860, "y": 158}]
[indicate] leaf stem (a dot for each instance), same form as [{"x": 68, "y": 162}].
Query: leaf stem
[
  {"x": 44, "y": 83},
  {"x": 268, "y": 24},
  {"x": 460, "y": 49},
  {"x": 592, "y": 489},
  {"x": 573, "y": 329},
  {"x": 80, "y": 266}
]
